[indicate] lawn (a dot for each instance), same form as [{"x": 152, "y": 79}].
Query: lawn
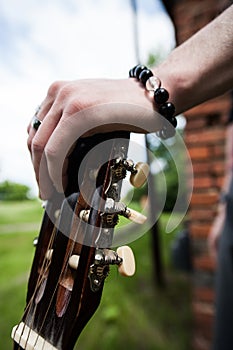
[{"x": 134, "y": 313}]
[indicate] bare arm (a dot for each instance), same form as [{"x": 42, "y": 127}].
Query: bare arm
[
  {"x": 202, "y": 67},
  {"x": 198, "y": 70}
]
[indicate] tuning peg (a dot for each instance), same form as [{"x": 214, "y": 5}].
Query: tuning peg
[
  {"x": 135, "y": 216},
  {"x": 73, "y": 261},
  {"x": 139, "y": 177},
  {"x": 120, "y": 208},
  {"x": 127, "y": 266}
]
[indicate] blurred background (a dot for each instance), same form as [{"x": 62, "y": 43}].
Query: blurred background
[{"x": 46, "y": 41}]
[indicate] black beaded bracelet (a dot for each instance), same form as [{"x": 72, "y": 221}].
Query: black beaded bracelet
[{"x": 161, "y": 96}]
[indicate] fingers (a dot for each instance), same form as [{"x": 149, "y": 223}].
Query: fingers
[
  {"x": 49, "y": 113},
  {"x": 44, "y": 108},
  {"x": 71, "y": 110}
]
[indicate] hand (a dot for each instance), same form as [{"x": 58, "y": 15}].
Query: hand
[{"x": 82, "y": 108}]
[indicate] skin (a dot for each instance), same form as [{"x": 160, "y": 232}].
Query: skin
[{"x": 196, "y": 71}]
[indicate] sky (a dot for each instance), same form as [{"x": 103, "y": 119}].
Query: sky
[{"x": 44, "y": 41}]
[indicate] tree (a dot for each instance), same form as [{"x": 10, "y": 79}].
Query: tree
[{"x": 11, "y": 191}]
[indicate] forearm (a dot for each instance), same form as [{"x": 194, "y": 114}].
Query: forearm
[{"x": 201, "y": 68}]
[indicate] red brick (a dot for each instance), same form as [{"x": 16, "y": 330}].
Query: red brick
[
  {"x": 199, "y": 153},
  {"x": 202, "y": 214},
  {"x": 204, "y": 294},
  {"x": 205, "y": 198},
  {"x": 204, "y": 263},
  {"x": 218, "y": 151},
  {"x": 206, "y": 136},
  {"x": 195, "y": 123},
  {"x": 199, "y": 230},
  {"x": 201, "y": 167},
  {"x": 203, "y": 182},
  {"x": 219, "y": 181},
  {"x": 217, "y": 167},
  {"x": 220, "y": 105}
]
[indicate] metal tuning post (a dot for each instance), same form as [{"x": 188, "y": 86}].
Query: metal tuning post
[
  {"x": 139, "y": 172},
  {"x": 123, "y": 258},
  {"x": 121, "y": 209}
]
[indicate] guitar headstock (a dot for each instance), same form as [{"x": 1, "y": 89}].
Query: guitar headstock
[{"x": 73, "y": 253}]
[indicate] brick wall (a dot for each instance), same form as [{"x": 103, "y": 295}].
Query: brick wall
[{"x": 205, "y": 138}]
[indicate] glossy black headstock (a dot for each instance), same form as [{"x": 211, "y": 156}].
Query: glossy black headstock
[{"x": 73, "y": 252}]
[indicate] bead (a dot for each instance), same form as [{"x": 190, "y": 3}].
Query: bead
[
  {"x": 131, "y": 72},
  {"x": 170, "y": 132},
  {"x": 153, "y": 83},
  {"x": 138, "y": 70},
  {"x": 173, "y": 121},
  {"x": 162, "y": 134},
  {"x": 161, "y": 96},
  {"x": 167, "y": 110},
  {"x": 165, "y": 132},
  {"x": 145, "y": 75}
]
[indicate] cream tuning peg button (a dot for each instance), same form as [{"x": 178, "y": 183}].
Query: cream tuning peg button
[
  {"x": 139, "y": 178},
  {"x": 135, "y": 216},
  {"x": 127, "y": 267},
  {"x": 73, "y": 261}
]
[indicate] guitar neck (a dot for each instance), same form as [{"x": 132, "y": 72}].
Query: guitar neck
[{"x": 62, "y": 298}]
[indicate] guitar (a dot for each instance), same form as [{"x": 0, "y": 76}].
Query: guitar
[{"x": 73, "y": 250}]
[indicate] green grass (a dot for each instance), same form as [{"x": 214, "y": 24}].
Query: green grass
[
  {"x": 20, "y": 212},
  {"x": 134, "y": 313}
]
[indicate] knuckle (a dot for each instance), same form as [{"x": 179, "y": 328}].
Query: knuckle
[
  {"x": 65, "y": 91},
  {"x": 55, "y": 87},
  {"x": 50, "y": 153},
  {"x": 74, "y": 106},
  {"x": 36, "y": 146},
  {"x": 29, "y": 143}
]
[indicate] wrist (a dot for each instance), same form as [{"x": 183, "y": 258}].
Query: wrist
[{"x": 159, "y": 96}]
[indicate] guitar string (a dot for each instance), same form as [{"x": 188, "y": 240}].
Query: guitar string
[
  {"x": 64, "y": 269},
  {"x": 44, "y": 267},
  {"x": 48, "y": 265},
  {"x": 65, "y": 266},
  {"x": 40, "y": 280}
]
